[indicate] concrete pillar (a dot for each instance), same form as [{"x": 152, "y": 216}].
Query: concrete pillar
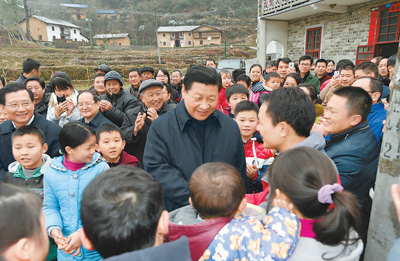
[
  {"x": 384, "y": 225},
  {"x": 261, "y": 42}
]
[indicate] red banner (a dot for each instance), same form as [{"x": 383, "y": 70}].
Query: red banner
[
  {"x": 372, "y": 27},
  {"x": 394, "y": 8}
]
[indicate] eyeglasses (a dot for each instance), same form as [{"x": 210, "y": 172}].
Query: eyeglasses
[
  {"x": 88, "y": 104},
  {"x": 24, "y": 104},
  {"x": 305, "y": 64}
]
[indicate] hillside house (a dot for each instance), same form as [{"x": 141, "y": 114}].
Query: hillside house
[
  {"x": 48, "y": 29},
  {"x": 112, "y": 39},
  {"x": 78, "y": 12},
  {"x": 332, "y": 29},
  {"x": 108, "y": 14},
  {"x": 188, "y": 36}
]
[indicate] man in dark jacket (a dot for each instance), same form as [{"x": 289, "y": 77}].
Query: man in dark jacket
[
  {"x": 19, "y": 106},
  {"x": 351, "y": 144},
  {"x": 135, "y": 80},
  {"x": 115, "y": 103},
  {"x": 41, "y": 98},
  {"x": 30, "y": 67},
  {"x": 137, "y": 121},
  {"x": 190, "y": 135},
  {"x": 123, "y": 218}
]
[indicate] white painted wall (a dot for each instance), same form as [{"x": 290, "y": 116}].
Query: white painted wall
[
  {"x": 271, "y": 31},
  {"x": 51, "y": 33}
]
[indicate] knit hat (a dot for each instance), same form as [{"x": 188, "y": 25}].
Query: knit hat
[
  {"x": 149, "y": 83},
  {"x": 147, "y": 69},
  {"x": 113, "y": 75},
  {"x": 103, "y": 67}
]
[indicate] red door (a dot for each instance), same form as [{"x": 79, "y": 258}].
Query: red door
[{"x": 364, "y": 53}]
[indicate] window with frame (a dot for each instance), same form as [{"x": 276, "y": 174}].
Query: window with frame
[
  {"x": 313, "y": 42},
  {"x": 40, "y": 37},
  {"x": 52, "y": 28},
  {"x": 389, "y": 25},
  {"x": 190, "y": 34},
  {"x": 164, "y": 43},
  {"x": 201, "y": 42},
  {"x": 163, "y": 35},
  {"x": 189, "y": 42}
]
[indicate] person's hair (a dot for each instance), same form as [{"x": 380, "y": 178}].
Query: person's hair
[
  {"x": 108, "y": 127},
  {"x": 177, "y": 70},
  {"x": 202, "y": 74},
  {"x": 29, "y": 129},
  {"x": 374, "y": 84},
  {"x": 13, "y": 87},
  {"x": 305, "y": 58},
  {"x": 269, "y": 64},
  {"x": 60, "y": 83},
  {"x": 391, "y": 61},
  {"x": 100, "y": 74},
  {"x": 284, "y": 60},
  {"x": 222, "y": 72},
  {"x": 368, "y": 67},
  {"x": 29, "y": 65},
  {"x": 167, "y": 86},
  {"x": 36, "y": 79},
  {"x": 165, "y": 72},
  {"x": 378, "y": 60},
  {"x": 244, "y": 78},
  {"x": 295, "y": 76},
  {"x": 236, "y": 88},
  {"x": 311, "y": 89},
  {"x": 321, "y": 61},
  {"x": 359, "y": 102},
  {"x": 271, "y": 75},
  {"x": 255, "y": 65},
  {"x": 246, "y": 106},
  {"x": 236, "y": 73},
  {"x": 330, "y": 61},
  {"x": 342, "y": 63},
  {"x": 73, "y": 134},
  {"x": 262, "y": 99},
  {"x": 95, "y": 97},
  {"x": 20, "y": 215},
  {"x": 349, "y": 67},
  {"x": 300, "y": 173},
  {"x": 120, "y": 210},
  {"x": 210, "y": 59},
  {"x": 2, "y": 80},
  {"x": 135, "y": 69},
  {"x": 293, "y": 106},
  {"x": 216, "y": 190}
]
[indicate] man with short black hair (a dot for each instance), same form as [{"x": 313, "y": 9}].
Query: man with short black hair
[
  {"x": 320, "y": 70},
  {"x": 370, "y": 69},
  {"x": 190, "y": 135},
  {"x": 177, "y": 84},
  {"x": 147, "y": 73},
  {"x": 30, "y": 67},
  {"x": 283, "y": 67},
  {"x": 134, "y": 77},
  {"x": 305, "y": 64},
  {"x": 41, "y": 98},
  {"x": 391, "y": 63},
  {"x": 383, "y": 72},
  {"x": 123, "y": 218},
  {"x": 351, "y": 144},
  {"x": 211, "y": 63}
]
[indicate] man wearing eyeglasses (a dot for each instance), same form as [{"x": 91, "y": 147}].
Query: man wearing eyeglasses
[
  {"x": 18, "y": 103},
  {"x": 89, "y": 107},
  {"x": 305, "y": 64}
]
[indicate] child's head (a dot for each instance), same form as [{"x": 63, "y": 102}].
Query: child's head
[
  {"x": 226, "y": 78},
  {"x": 77, "y": 142},
  {"x": 255, "y": 72},
  {"x": 273, "y": 80},
  {"x": 308, "y": 179},
  {"x": 28, "y": 145},
  {"x": 217, "y": 190},
  {"x": 122, "y": 211},
  {"x": 23, "y": 233},
  {"x": 292, "y": 80},
  {"x": 244, "y": 80},
  {"x": 113, "y": 82},
  {"x": 110, "y": 142},
  {"x": 235, "y": 94},
  {"x": 246, "y": 116},
  {"x": 310, "y": 90}
]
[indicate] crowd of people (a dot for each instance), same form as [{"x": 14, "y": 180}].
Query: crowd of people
[{"x": 275, "y": 164}]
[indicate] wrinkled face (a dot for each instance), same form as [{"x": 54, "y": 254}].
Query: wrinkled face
[
  {"x": 235, "y": 99},
  {"x": 383, "y": 71},
  {"x": 113, "y": 86},
  {"x": 336, "y": 115},
  {"x": 134, "y": 78},
  {"x": 88, "y": 108},
  {"x": 27, "y": 150},
  {"x": 166, "y": 95},
  {"x": 99, "y": 85},
  {"x": 226, "y": 80},
  {"x": 162, "y": 77},
  {"x": 84, "y": 152},
  {"x": 346, "y": 78},
  {"x": 330, "y": 67},
  {"x": 255, "y": 74},
  {"x": 271, "y": 69},
  {"x": 176, "y": 78},
  {"x": 269, "y": 132},
  {"x": 283, "y": 69},
  {"x": 305, "y": 66},
  {"x": 247, "y": 122},
  {"x": 66, "y": 93},
  {"x": 111, "y": 145},
  {"x": 290, "y": 82},
  {"x": 153, "y": 97},
  {"x": 274, "y": 83},
  {"x": 36, "y": 89},
  {"x": 19, "y": 107},
  {"x": 211, "y": 64},
  {"x": 320, "y": 69},
  {"x": 147, "y": 75},
  {"x": 201, "y": 100}
]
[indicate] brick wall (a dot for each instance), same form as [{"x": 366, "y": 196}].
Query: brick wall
[{"x": 341, "y": 33}]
